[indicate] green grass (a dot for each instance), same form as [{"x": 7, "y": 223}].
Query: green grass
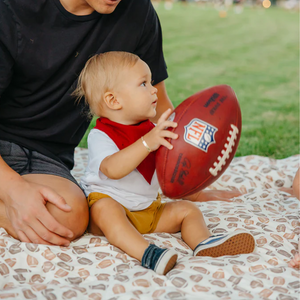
[{"x": 255, "y": 52}]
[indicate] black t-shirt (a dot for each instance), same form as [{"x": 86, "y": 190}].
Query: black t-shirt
[{"x": 43, "y": 48}]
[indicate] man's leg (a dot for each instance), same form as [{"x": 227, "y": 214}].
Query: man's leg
[{"x": 76, "y": 220}]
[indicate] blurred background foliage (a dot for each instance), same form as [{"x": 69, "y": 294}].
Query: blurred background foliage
[{"x": 253, "y": 49}]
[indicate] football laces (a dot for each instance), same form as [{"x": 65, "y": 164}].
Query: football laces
[{"x": 218, "y": 165}]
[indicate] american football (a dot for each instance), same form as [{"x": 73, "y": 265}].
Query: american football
[{"x": 209, "y": 130}]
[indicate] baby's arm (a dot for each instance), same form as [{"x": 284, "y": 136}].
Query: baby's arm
[{"x": 123, "y": 162}]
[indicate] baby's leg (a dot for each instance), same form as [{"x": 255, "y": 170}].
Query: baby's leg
[
  {"x": 186, "y": 216},
  {"x": 108, "y": 216}
]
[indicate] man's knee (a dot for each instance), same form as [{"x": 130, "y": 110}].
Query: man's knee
[
  {"x": 81, "y": 213},
  {"x": 77, "y": 219}
]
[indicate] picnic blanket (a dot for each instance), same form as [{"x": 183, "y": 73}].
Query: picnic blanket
[{"x": 91, "y": 268}]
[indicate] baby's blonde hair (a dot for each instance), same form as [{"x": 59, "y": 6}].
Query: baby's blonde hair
[{"x": 99, "y": 76}]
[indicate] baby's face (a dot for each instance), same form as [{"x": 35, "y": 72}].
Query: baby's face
[{"x": 136, "y": 93}]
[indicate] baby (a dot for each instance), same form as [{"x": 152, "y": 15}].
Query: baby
[{"x": 120, "y": 181}]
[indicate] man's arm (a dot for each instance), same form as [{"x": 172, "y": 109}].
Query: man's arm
[{"x": 25, "y": 209}]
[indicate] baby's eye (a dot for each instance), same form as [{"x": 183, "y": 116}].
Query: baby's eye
[{"x": 143, "y": 84}]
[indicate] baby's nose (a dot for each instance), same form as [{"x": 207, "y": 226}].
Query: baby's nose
[{"x": 154, "y": 90}]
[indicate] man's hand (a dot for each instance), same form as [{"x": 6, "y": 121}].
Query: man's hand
[
  {"x": 157, "y": 136},
  {"x": 213, "y": 195},
  {"x": 27, "y": 212}
]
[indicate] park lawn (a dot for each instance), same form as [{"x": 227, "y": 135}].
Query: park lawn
[{"x": 255, "y": 52}]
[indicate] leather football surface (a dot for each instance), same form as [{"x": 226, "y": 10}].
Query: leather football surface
[{"x": 209, "y": 129}]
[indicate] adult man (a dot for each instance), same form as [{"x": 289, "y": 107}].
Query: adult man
[{"x": 43, "y": 47}]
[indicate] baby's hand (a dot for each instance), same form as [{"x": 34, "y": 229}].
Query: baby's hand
[{"x": 156, "y": 137}]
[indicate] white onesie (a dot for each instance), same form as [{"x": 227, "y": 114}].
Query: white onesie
[{"x": 132, "y": 191}]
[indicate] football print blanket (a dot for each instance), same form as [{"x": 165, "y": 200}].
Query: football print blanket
[{"x": 91, "y": 268}]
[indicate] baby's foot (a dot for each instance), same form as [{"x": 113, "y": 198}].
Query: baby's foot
[
  {"x": 237, "y": 242},
  {"x": 159, "y": 260},
  {"x": 295, "y": 262}
]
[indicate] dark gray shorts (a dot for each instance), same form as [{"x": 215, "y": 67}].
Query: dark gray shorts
[{"x": 25, "y": 161}]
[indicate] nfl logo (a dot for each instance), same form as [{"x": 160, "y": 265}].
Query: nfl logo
[{"x": 200, "y": 134}]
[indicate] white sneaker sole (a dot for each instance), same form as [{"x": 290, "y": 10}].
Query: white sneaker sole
[
  {"x": 166, "y": 262},
  {"x": 238, "y": 242}
]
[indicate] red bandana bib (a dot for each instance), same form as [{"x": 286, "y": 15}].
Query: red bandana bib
[{"x": 125, "y": 135}]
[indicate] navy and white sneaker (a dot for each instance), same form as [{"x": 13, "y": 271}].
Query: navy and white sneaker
[
  {"x": 159, "y": 260},
  {"x": 237, "y": 242}
]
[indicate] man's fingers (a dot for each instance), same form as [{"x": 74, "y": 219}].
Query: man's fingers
[
  {"x": 52, "y": 227},
  {"x": 23, "y": 237},
  {"x": 55, "y": 199},
  {"x": 28, "y": 235},
  {"x": 49, "y": 222},
  {"x": 51, "y": 237},
  {"x": 38, "y": 234}
]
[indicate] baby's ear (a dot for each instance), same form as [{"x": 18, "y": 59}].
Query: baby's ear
[{"x": 111, "y": 101}]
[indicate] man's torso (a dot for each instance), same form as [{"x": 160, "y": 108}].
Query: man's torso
[{"x": 46, "y": 48}]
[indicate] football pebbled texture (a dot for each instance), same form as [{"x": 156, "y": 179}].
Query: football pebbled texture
[{"x": 209, "y": 130}]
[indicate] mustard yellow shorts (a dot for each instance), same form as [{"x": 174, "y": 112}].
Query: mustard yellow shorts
[{"x": 145, "y": 221}]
